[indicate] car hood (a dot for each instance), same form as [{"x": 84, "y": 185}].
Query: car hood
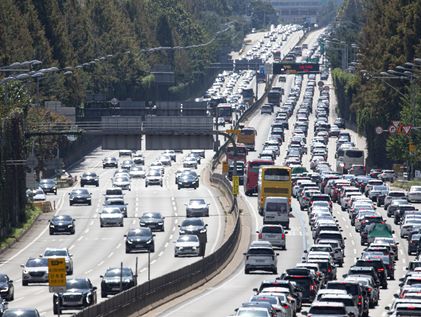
[
  {"x": 33, "y": 269},
  {"x": 115, "y": 215},
  {"x": 61, "y": 223},
  {"x": 139, "y": 239},
  {"x": 192, "y": 228}
]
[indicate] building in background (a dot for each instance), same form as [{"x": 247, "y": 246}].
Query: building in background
[{"x": 298, "y": 11}]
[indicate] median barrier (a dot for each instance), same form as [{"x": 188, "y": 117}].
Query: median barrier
[{"x": 148, "y": 295}]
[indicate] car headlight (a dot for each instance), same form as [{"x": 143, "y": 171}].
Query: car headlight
[
  {"x": 129, "y": 241},
  {"x": 160, "y": 223},
  {"x": 69, "y": 226},
  {"x": 203, "y": 231},
  {"x": 194, "y": 248},
  {"x": 182, "y": 231},
  {"x": 141, "y": 223},
  {"x": 51, "y": 226},
  {"x": 149, "y": 242},
  {"x": 54, "y": 188}
]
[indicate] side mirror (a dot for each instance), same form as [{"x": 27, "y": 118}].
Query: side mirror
[
  {"x": 94, "y": 288},
  {"x": 206, "y": 225},
  {"x": 22, "y": 265},
  {"x": 344, "y": 238},
  {"x": 101, "y": 276},
  {"x": 305, "y": 313},
  {"x": 387, "y": 307},
  {"x": 255, "y": 290},
  {"x": 125, "y": 235},
  {"x": 344, "y": 275},
  {"x": 154, "y": 235},
  {"x": 395, "y": 295},
  {"x": 244, "y": 253},
  {"x": 277, "y": 254},
  {"x": 305, "y": 251},
  {"x": 393, "y": 231}
]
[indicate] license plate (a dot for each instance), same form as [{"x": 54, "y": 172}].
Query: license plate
[
  {"x": 260, "y": 261},
  {"x": 116, "y": 288}
]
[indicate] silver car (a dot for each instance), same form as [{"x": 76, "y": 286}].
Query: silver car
[
  {"x": 197, "y": 207},
  {"x": 261, "y": 257},
  {"x": 53, "y": 253},
  {"x": 275, "y": 234},
  {"x": 122, "y": 182},
  {"x": 154, "y": 177},
  {"x": 35, "y": 270},
  {"x": 111, "y": 216}
]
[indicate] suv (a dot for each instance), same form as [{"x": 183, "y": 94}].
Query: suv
[
  {"x": 323, "y": 309},
  {"x": 35, "y": 271},
  {"x": 305, "y": 279},
  {"x": 378, "y": 265},
  {"x": 116, "y": 280},
  {"x": 197, "y": 207},
  {"x": 261, "y": 256},
  {"x": 275, "y": 234},
  {"x": 80, "y": 293},
  {"x": 355, "y": 290}
]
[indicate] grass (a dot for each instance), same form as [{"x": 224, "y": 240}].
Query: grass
[
  {"x": 32, "y": 214},
  {"x": 407, "y": 184}
]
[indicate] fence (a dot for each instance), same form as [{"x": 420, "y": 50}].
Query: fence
[{"x": 147, "y": 295}]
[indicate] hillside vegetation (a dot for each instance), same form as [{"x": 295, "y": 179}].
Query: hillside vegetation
[{"x": 388, "y": 34}]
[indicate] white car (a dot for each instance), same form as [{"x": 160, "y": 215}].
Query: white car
[
  {"x": 187, "y": 245},
  {"x": 137, "y": 171},
  {"x": 414, "y": 194},
  {"x": 190, "y": 162},
  {"x": 111, "y": 216},
  {"x": 121, "y": 182},
  {"x": 39, "y": 195},
  {"x": 154, "y": 177},
  {"x": 158, "y": 165},
  {"x": 197, "y": 207},
  {"x": 35, "y": 271},
  {"x": 165, "y": 160},
  {"x": 261, "y": 257},
  {"x": 53, "y": 253}
]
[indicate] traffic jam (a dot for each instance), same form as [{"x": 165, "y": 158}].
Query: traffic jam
[{"x": 324, "y": 191}]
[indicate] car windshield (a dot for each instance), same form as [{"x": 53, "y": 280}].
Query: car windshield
[
  {"x": 136, "y": 233},
  {"x": 55, "y": 253},
  {"x": 152, "y": 215},
  {"x": 192, "y": 222},
  {"x": 188, "y": 238},
  {"x": 121, "y": 179},
  {"x": 20, "y": 312},
  {"x": 154, "y": 172},
  {"x": 80, "y": 191},
  {"x": 117, "y": 272},
  {"x": 111, "y": 211},
  {"x": 197, "y": 201},
  {"x": 261, "y": 298},
  {"x": 272, "y": 229},
  {"x": 41, "y": 262},
  {"x": 62, "y": 218},
  {"x": 47, "y": 182},
  {"x": 77, "y": 283},
  {"x": 3, "y": 278}
]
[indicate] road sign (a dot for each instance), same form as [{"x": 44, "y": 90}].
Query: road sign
[
  {"x": 224, "y": 167},
  {"x": 379, "y": 130},
  {"x": 412, "y": 148},
  {"x": 396, "y": 123},
  {"x": 406, "y": 129},
  {"x": 293, "y": 68},
  {"x": 232, "y": 131},
  {"x": 392, "y": 129},
  {"x": 57, "y": 275},
  {"x": 235, "y": 185}
]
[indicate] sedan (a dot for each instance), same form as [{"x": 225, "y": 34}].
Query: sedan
[
  {"x": 171, "y": 154},
  {"x": 7, "y": 290},
  {"x": 122, "y": 182},
  {"x": 111, "y": 216},
  {"x": 137, "y": 172},
  {"x": 197, "y": 207},
  {"x": 188, "y": 179},
  {"x": 80, "y": 293},
  {"x": 35, "y": 271},
  {"x": 190, "y": 162},
  {"x": 154, "y": 177},
  {"x": 89, "y": 178},
  {"x": 414, "y": 194},
  {"x": 187, "y": 245},
  {"x": 117, "y": 203},
  {"x": 109, "y": 162},
  {"x": 54, "y": 253},
  {"x": 152, "y": 220},
  {"x": 140, "y": 239},
  {"x": 165, "y": 160},
  {"x": 116, "y": 280},
  {"x": 48, "y": 185},
  {"x": 179, "y": 172},
  {"x": 197, "y": 227},
  {"x": 80, "y": 196},
  {"x": 62, "y": 224},
  {"x": 39, "y": 195}
]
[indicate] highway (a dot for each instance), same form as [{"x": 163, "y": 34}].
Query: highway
[
  {"x": 236, "y": 288},
  {"x": 95, "y": 249}
]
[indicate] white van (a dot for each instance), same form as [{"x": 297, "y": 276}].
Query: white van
[{"x": 276, "y": 210}]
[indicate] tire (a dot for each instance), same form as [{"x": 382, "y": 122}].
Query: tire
[
  {"x": 51, "y": 232},
  {"x": 103, "y": 295},
  {"x": 55, "y": 309},
  {"x": 246, "y": 271},
  {"x": 146, "y": 185},
  {"x": 12, "y": 297},
  {"x": 127, "y": 250},
  {"x": 73, "y": 231},
  {"x": 153, "y": 249},
  {"x": 301, "y": 208},
  {"x": 70, "y": 272},
  {"x": 82, "y": 185},
  {"x": 90, "y": 203},
  {"x": 70, "y": 203},
  {"x": 24, "y": 283},
  {"x": 275, "y": 271}
]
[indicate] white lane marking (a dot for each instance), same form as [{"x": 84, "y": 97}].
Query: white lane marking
[
  {"x": 401, "y": 252},
  {"x": 153, "y": 262},
  {"x": 118, "y": 246},
  {"x": 87, "y": 230},
  {"x": 171, "y": 236},
  {"x": 100, "y": 263},
  {"x": 134, "y": 222},
  {"x": 352, "y": 242},
  {"x": 142, "y": 270},
  {"x": 161, "y": 253},
  {"x": 88, "y": 271},
  {"x": 221, "y": 215},
  {"x": 355, "y": 251},
  {"x": 173, "y": 229},
  {"x": 166, "y": 244},
  {"x": 91, "y": 223},
  {"x": 80, "y": 238},
  {"x": 71, "y": 247},
  {"x": 18, "y": 299},
  {"x": 110, "y": 255}
]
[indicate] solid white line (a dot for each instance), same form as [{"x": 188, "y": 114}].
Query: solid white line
[
  {"x": 153, "y": 262},
  {"x": 71, "y": 247},
  {"x": 355, "y": 251},
  {"x": 87, "y": 230}
]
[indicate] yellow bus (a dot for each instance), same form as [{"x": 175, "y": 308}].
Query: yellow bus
[
  {"x": 247, "y": 136},
  {"x": 273, "y": 181}
]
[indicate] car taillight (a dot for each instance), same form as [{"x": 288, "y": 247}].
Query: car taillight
[
  {"x": 285, "y": 306},
  {"x": 370, "y": 289},
  {"x": 380, "y": 269},
  {"x": 329, "y": 269},
  {"x": 283, "y": 236},
  {"x": 260, "y": 235}
]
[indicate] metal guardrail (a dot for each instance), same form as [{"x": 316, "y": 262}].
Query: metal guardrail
[{"x": 144, "y": 296}]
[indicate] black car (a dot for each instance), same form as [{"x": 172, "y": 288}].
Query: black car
[
  {"x": 140, "y": 239},
  {"x": 340, "y": 123},
  {"x": 378, "y": 265},
  {"x": 80, "y": 293},
  {"x": 7, "y": 290},
  {"x": 62, "y": 224},
  {"x": 305, "y": 280},
  {"x": 188, "y": 179},
  {"x": 153, "y": 220},
  {"x": 89, "y": 178},
  {"x": 48, "y": 185},
  {"x": 80, "y": 196},
  {"x": 197, "y": 227},
  {"x": 116, "y": 280},
  {"x": 110, "y": 162}
]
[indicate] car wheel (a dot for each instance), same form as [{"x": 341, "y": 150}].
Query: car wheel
[
  {"x": 275, "y": 271},
  {"x": 71, "y": 204},
  {"x": 97, "y": 185},
  {"x": 24, "y": 283},
  {"x": 121, "y": 224},
  {"x": 51, "y": 232},
  {"x": 103, "y": 295},
  {"x": 70, "y": 272},
  {"x": 12, "y": 296},
  {"x": 179, "y": 187},
  {"x": 246, "y": 271},
  {"x": 55, "y": 309},
  {"x": 89, "y": 203},
  {"x": 82, "y": 185},
  {"x": 101, "y": 225},
  {"x": 127, "y": 250}
]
